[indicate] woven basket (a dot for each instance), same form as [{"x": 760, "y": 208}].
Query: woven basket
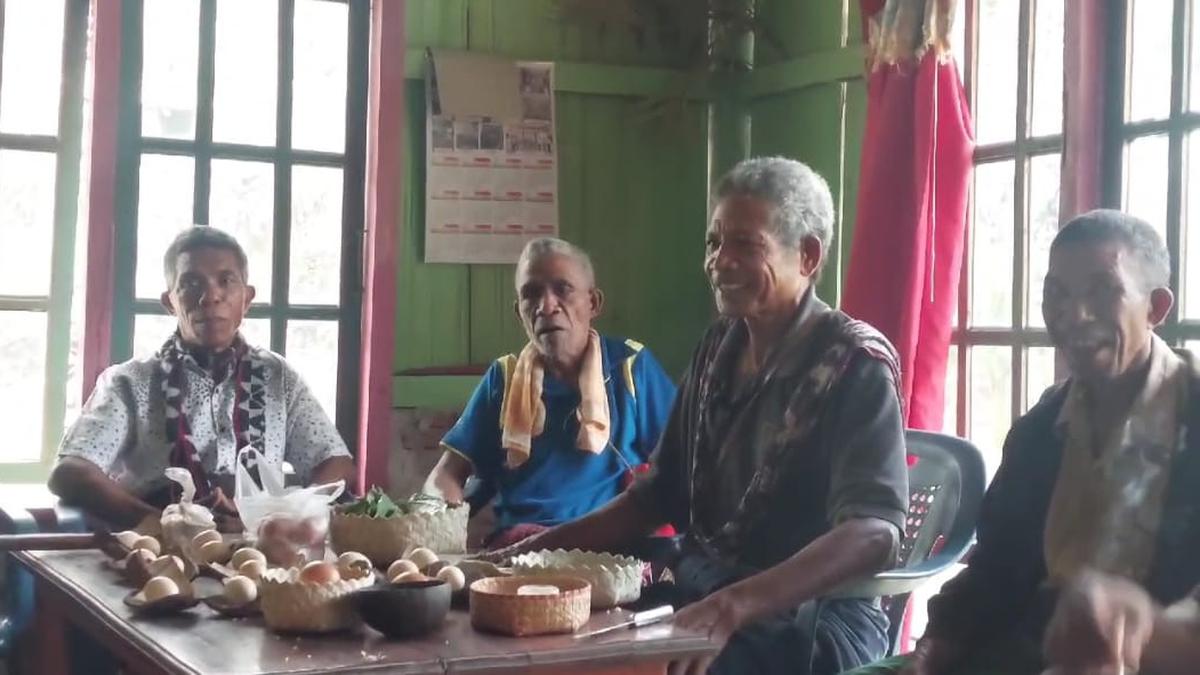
[
  {"x": 292, "y": 606},
  {"x": 384, "y": 540},
  {"x": 496, "y": 607},
  {"x": 615, "y": 579}
]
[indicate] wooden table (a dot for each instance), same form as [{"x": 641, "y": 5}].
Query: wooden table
[{"x": 75, "y": 586}]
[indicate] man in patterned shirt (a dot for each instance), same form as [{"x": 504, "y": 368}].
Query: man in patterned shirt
[{"x": 202, "y": 397}]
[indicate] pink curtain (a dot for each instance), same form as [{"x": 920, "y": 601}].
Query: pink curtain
[{"x": 906, "y": 254}]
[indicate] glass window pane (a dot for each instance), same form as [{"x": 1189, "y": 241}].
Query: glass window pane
[
  {"x": 150, "y": 331},
  {"x": 1150, "y": 59},
  {"x": 958, "y": 38},
  {"x": 991, "y": 401},
  {"x": 170, "y": 53},
  {"x": 315, "y": 274},
  {"x": 1146, "y": 180},
  {"x": 26, "y": 216},
  {"x": 257, "y": 332},
  {"x": 319, "y": 80},
  {"x": 244, "y": 83},
  {"x": 22, "y": 389},
  {"x": 992, "y": 247},
  {"x": 1043, "y": 225},
  {"x": 1194, "y": 71},
  {"x": 165, "y": 192},
  {"x": 1192, "y": 346},
  {"x": 1189, "y": 260},
  {"x": 242, "y": 203},
  {"x": 312, "y": 351},
  {"x": 996, "y": 72},
  {"x": 32, "y": 74},
  {"x": 1047, "y": 68},
  {"x": 950, "y": 410},
  {"x": 1039, "y": 373}
]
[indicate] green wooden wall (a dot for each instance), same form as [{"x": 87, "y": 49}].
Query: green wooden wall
[
  {"x": 632, "y": 193},
  {"x": 822, "y": 124}
]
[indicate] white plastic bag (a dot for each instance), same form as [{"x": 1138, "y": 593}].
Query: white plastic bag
[
  {"x": 286, "y": 521},
  {"x": 183, "y": 521}
]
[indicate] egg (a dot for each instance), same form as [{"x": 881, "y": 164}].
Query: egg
[
  {"x": 409, "y": 577},
  {"x": 242, "y": 555},
  {"x": 400, "y": 567},
  {"x": 252, "y": 568},
  {"x": 127, "y": 538},
  {"x": 149, "y": 543},
  {"x": 240, "y": 590},
  {"x": 453, "y": 576},
  {"x": 158, "y": 588},
  {"x": 353, "y": 565},
  {"x": 422, "y": 557},
  {"x": 173, "y": 560},
  {"x": 143, "y": 557},
  {"x": 214, "y": 551},
  {"x": 319, "y": 572},
  {"x": 205, "y": 537}
]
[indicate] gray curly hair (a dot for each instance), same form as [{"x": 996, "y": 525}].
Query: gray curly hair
[
  {"x": 801, "y": 197},
  {"x": 1136, "y": 235},
  {"x": 543, "y": 247}
]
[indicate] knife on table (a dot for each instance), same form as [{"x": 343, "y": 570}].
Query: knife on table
[{"x": 639, "y": 619}]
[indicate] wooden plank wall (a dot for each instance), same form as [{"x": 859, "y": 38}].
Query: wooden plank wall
[{"x": 633, "y": 193}]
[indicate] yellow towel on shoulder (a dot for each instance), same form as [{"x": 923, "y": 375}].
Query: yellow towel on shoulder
[{"x": 525, "y": 412}]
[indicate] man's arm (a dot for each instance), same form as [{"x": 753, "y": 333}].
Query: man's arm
[
  {"x": 335, "y": 469},
  {"x": 614, "y": 526},
  {"x": 449, "y": 477},
  {"x": 1103, "y": 621},
  {"x": 81, "y": 483}
]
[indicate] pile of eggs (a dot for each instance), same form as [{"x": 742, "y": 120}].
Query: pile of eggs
[{"x": 408, "y": 569}]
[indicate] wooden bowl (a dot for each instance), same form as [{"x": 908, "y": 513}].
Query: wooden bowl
[
  {"x": 497, "y": 605},
  {"x": 406, "y": 609}
]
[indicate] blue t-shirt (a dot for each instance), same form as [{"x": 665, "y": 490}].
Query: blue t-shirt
[{"x": 559, "y": 482}]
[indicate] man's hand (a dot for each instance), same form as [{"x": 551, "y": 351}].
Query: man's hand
[
  {"x": 930, "y": 657},
  {"x": 224, "y": 511},
  {"x": 718, "y": 616},
  {"x": 1100, "y": 622}
]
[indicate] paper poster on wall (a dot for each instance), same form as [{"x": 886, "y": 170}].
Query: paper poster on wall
[{"x": 491, "y": 168}]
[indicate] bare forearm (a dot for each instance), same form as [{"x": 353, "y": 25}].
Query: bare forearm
[
  {"x": 1174, "y": 648},
  {"x": 81, "y": 483},
  {"x": 614, "y": 526},
  {"x": 335, "y": 469},
  {"x": 448, "y": 477},
  {"x": 852, "y": 550}
]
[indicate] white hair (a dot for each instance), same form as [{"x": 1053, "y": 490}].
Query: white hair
[
  {"x": 801, "y": 197},
  {"x": 544, "y": 247}
]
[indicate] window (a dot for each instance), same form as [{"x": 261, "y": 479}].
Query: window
[
  {"x": 252, "y": 118},
  {"x": 42, "y": 58},
  {"x": 1158, "y": 138},
  {"x": 1000, "y": 356}
]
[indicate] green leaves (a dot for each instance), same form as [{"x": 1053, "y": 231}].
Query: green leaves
[{"x": 376, "y": 504}]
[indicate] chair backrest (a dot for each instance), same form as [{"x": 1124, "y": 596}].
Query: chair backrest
[{"x": 946, "y": 484}]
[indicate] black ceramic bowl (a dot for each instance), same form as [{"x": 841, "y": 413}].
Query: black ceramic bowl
[{"x": 404, "y": 610}]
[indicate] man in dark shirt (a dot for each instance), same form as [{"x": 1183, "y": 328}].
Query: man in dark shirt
[{"x": 783, "y": 459}]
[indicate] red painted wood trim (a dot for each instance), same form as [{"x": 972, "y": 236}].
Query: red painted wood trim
[
  {"x": 385, "y": 164},
  {"x": 102, "y": 190}
]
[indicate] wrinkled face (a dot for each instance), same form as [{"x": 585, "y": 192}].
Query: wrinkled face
[
  {"x": 751, "y": 273},
  {"x": 209, "y": 297},
  {"x": 1097, "y": 311},
  {"x": 556, "y": 303}
]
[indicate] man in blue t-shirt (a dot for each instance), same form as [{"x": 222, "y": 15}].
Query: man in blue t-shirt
[{"x": 558, "y": 430}]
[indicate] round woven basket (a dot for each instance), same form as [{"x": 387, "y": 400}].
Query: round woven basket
[
  {"x": 384, "y": 540},
  {"x": 615, "y": 579},
  {"x": 496, "y": 607},
  {"x": 292, "y": 606}
]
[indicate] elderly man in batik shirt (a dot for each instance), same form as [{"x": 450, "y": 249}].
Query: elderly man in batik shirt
[
  {"x": 204, "y": 396},
  {"x": 783, "y": 459},
  {"x": 1099, "y": 477}
]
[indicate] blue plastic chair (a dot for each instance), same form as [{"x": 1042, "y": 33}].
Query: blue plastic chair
[{"x": 946, "y": 484}]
